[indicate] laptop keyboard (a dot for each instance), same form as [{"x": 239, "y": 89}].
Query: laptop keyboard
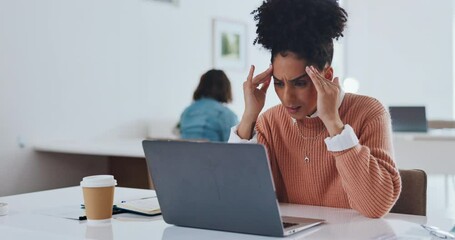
[{"x": 287, "y": 224}]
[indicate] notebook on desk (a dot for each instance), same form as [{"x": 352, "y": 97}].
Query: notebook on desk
[
  {"x": 408, "y": 118},
  {"x": 218, "y": 186},
  {"x": 144, "y": 206}
]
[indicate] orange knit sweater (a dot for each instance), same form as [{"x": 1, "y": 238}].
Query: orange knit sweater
[{"x": 364, "y": 177}]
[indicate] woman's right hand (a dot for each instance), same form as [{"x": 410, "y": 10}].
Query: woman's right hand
[{"x": 254, "y": 96}]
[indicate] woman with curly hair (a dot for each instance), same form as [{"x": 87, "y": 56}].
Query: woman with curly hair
[{"x": 326, "y": 147}]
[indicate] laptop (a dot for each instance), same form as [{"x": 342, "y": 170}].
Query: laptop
[
  {"x": 408, "y": 118},
  {"x": 218, "y": 186}
]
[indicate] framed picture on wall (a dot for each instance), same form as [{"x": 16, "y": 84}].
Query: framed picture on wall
[{"x": 229, "y": 45}]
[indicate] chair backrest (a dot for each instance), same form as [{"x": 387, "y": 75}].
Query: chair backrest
[{"x": 413, "y": 197}]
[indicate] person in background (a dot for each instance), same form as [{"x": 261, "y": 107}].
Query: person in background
[
  {"x": 207, "y": 118},
  {"x": 325, "y": 147}
]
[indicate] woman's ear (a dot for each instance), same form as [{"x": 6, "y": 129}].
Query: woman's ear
[{"x": 329, "y": 73}]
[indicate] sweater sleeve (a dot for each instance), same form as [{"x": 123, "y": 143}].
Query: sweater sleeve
[
  {"x": 265, "y": 137},
  {"x": 369, "y": 174}
]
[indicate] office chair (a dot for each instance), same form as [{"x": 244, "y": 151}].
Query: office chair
[{"x": 413, "y": 197}]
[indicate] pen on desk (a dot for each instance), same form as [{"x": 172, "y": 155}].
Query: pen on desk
[{"x": 115, "y": 210}]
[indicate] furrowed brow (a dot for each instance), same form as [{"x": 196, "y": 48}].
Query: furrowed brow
[{"x": 297, "y": 78}]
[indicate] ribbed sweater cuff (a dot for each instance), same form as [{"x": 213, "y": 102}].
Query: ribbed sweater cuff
[
  {"x": 234, "y": 137},
  {"x": 343, "y": 141}
]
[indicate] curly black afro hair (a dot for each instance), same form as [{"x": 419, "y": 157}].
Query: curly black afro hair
[{"x": 304, "y": 27}]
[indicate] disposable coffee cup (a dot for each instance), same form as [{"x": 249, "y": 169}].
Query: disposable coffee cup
[{"x": 98, "y": 193}]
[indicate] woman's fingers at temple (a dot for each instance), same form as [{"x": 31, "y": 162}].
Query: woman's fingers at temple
[
  {"x": 266, "y": 85},
  {"x": 314, "y": 78},
  {"x": 254, "y": 97},
  {"x": 336, "y": 81},
  {"x": 263, "y": 76},
  {"x": 320, "y": 81},
  {"x": 250, "y": 74},
  {"x": 319, "y": 76}
]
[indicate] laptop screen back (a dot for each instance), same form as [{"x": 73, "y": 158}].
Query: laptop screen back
[
  {"x": 216, "y": 186},
  {"x": 408, "y": 119}
]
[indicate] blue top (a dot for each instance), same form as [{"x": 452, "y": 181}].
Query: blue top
[{"x": 207, "y": 119}]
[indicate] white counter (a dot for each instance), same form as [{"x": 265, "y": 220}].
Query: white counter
[{"x": 116, "y": 147}]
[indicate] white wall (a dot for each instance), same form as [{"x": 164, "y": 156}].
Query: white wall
[
  {"x": 401, "y": 52},
  {"x": 175, "y": 72},
  {"x": 83, "y": 69},
  {"x": 97, "y": 68}
]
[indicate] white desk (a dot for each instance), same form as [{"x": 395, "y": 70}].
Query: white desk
[
  {"x": 432, "y": 151},
  {"x": 444, "y": 134},
  {"x": 132, "y": 147},
  {"x": 126, "y": 157},
  {"x": 26, "y": 221},
  {"x": 116, "y": 147}
]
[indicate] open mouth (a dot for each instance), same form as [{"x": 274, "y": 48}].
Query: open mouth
[{"x": 293, "y": 109}]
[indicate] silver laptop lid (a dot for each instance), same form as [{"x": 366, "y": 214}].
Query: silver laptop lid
[{"x": 216, "y": 186}]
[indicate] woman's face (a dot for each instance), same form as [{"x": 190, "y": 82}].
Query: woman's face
[{"x": 293, "y": 85}]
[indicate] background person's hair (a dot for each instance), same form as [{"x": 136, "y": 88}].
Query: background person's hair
[
  {"x": 214, "y": 84},
  {"x": 304, "y": 27}
]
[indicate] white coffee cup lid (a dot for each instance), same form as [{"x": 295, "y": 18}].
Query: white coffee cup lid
[
  {"x": 99, "y": 181},
  {"x": 3, "y": 209}
]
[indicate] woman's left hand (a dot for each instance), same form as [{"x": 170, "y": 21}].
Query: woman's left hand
[{"x": 328, "y": 94}]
